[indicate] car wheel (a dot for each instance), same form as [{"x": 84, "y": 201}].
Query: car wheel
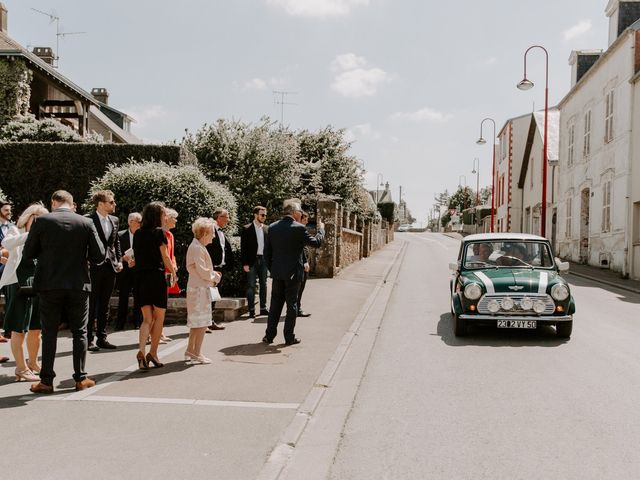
[
  {"x": 460, "y": 327},
  {"x": 563, "y": 329}
]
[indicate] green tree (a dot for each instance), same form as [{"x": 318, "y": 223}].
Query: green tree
[
  {"x": 463, "y": 198},
  {"x": 258, "y": 163},
  {"x": 15, "y": 89},
  {"x": 27, "y": 129}
]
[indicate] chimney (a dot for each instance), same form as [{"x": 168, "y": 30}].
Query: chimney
[
  {"x": 45, "y": 54},
  {"x": 581, "y": 61},
  {"x": 622, "y": 14},
  {"x": 3, "y": 18},
  {"x": 101, "y": 94}
]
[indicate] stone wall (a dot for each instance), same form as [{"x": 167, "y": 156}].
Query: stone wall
[{"x": 347, "y": 239}]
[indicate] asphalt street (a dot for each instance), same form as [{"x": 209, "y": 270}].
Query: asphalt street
[
  {"x": 494, "y": 405},
  {"x": 379, "y": 388}
]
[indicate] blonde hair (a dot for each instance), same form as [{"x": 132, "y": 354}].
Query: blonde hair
[
  {"x": 35, "y": 209},
  {"x": 171, "y": 213},
  {"x": 201, "y": 226}
]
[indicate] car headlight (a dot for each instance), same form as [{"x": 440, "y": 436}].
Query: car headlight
[
  {"x": 472, "y": 291},
  {"x": 493, "y": 306},
  {"x": 526, "y": 303},
  {"x": 507, "y": 303},
  {"x": 539, "y": 306},
  {"x": 559, "y": 292}
]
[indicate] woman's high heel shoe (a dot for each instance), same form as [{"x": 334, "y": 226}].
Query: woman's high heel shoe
[
  {"x": 142, "y": 362},
  {"x": 155, "y": 361},
  {"x": 26, "y": 375}
]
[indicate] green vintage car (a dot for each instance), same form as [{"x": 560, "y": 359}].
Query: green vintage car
[{"x": 510, "y": 280}]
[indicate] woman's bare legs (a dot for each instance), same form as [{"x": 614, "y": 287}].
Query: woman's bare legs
[
  {"x": 33, "y": 346},
  {"x": 145, "y": 326},
  {"x": 156, "y": 330},
  {"x": 17, "y": 349}
]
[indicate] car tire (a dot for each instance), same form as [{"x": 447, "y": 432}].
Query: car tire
[
  {"x": 563, "y": 329},
  {"x": 460, "y": 327}
]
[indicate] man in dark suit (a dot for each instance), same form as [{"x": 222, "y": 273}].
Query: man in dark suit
[
  {"x": 63, "y": 243},
  {"x": 283, "y": 251},
  {"x": 103, "y": 275},
  {"x": 125, "y": 278},
  {"x": 252, "y": 241},
  {"x": 220, "y": 251}
]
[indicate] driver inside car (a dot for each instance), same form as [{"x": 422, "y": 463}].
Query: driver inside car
[{"x": 514, "y": 253}]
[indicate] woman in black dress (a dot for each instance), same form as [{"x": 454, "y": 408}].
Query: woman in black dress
[{"x": 151, "y": 258}]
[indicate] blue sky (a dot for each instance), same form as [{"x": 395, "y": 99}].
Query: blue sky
[{"x": 409, "y": 79}]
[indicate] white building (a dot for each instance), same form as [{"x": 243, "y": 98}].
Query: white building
[
  {"x": 508, "y": 202},
  {"x": 529, "y": 181},
  {"x": 597, "y": 148}
]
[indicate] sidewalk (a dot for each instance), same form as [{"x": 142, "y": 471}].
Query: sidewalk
[{"x": 605, "y": 276}]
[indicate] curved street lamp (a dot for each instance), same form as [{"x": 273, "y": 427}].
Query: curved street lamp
[
  {"x": 482, "y": 141},
  {"x": 526, "y": 84}
]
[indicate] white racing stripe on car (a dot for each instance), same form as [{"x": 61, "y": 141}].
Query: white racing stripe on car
[
  {"x": 544, "y": 281},
  {"x": 487, "y": 282}
]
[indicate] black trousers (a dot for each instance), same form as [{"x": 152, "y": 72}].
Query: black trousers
[
  {"x": 303, "y": 283},
  {"x": 103, "y": 278},
  {"x": 127, "y": 285},
  {"x": 68, "y": 306},
  {"x": 283, "y": 291}
]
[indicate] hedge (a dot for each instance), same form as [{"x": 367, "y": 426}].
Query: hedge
[{"x": 33, "y": 171}]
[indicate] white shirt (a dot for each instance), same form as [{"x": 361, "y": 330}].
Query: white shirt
[
  {"x": 106, "y": 225},
  {"x": 221, "y": 238},
  {"x": 260, "y": 236},
  {"x": 130, "y": 238}
]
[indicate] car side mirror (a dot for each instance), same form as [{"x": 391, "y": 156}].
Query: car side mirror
[
  {"x": 453, "y": 267},
  {"x": 563, "y": 267}
]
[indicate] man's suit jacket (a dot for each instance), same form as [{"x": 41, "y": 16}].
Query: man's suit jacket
[
  {"x": 249, "y": 243},
  {"x": 111, "y": 245},
  {"x": 64, "y": 243},
  {"x": 284, "y": 246},
  {"x": 125, "y": 244},
  {"x": 215, "y": 252}
]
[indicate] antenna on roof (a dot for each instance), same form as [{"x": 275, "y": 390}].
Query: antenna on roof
[
  {"x": 282, "y": 103},
  {"x": 53, "y": 17}
]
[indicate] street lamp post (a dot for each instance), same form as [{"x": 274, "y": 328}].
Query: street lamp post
[
  {"x": 476, "y": 170},
  {"x": 482, "y": 141},
  {"x": 379, "y": 180},
  {"x": 526, "y": 84}
]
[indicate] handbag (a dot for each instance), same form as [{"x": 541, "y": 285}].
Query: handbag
[
  {"x": 25, "y": 273},
  {"x": 215, "y": 294}
]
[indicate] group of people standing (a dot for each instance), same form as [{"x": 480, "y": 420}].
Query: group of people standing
[{"x": 62, "y": 269}]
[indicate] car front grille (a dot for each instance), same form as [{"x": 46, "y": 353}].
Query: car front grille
[{"x": 550, "y": 305}]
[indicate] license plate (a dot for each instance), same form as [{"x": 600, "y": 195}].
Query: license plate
[{"x": 517, "y": 323}]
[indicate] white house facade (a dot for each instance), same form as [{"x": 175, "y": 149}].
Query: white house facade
[{"x": 594, "y": 204}]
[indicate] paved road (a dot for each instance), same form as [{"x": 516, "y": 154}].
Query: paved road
[{"x": 494, "y": 405}]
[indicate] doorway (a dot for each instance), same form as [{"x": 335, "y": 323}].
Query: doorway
[{"x": 584, "y": 225}]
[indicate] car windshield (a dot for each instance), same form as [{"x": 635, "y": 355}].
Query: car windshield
[{"x": 507, "y": 253}]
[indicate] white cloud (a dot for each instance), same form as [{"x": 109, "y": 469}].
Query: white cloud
[
  {"x": 353, "y": 79},
  {"x": 256, "y": 84},
  {"x": 147, "y": 113},
  {"x": 317, "y": 8},
  {"x": 580, "y": 28},
  {"x": 425, "y": 114},
  {"x": 360, "y": 131}
]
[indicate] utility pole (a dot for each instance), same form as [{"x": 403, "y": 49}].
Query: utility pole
[{"x": 282, "y": 103}]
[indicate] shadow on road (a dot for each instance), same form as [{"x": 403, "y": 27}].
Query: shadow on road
[
  {"x": 251, "y": 349},
  {"x": 544, "y": 336}
]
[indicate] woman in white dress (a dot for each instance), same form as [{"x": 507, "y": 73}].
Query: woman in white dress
[{"x": 202, "y": 278}]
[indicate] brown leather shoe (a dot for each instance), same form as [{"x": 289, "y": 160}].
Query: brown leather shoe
[
  {"x": 41, "y": 388},
  {"x": 216, "y": 326},
  {"x": 84, "y": 384}
]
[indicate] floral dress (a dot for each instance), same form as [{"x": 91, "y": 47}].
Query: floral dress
[{"x": 201, "y": 278}]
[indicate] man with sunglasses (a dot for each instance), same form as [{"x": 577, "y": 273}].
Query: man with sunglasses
[
  {"x": 252, "y": 254},
  {"x": 103, "y": 275}
]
